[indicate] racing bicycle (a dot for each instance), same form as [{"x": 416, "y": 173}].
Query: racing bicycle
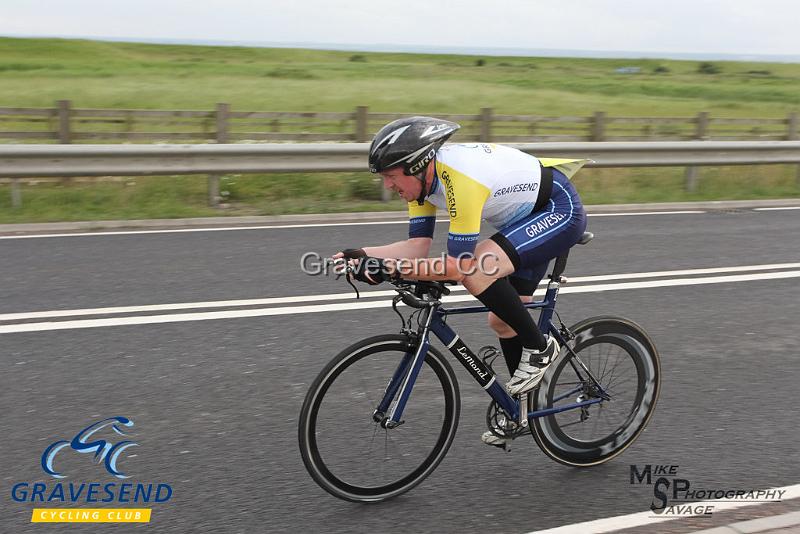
[{"x": 382, "y": 414}]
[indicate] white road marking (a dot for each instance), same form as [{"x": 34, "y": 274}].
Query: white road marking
[
  {"x": 624, "y": 214},
  {"x": 611, "y": 524},
  {"x": 280, "y": 226},
  {"x": 366, "y": 294},
  {"x": 263, "y": 312},
  {"x": 189, "y": 230},
  {"x": 779, "y": 208}
]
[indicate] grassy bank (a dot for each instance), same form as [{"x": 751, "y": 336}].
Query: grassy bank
[
  {"x": 185, "y": 196},
  {"x": 36, "y": 72}
]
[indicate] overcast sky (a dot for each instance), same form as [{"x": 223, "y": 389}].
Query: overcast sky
[{"x": 682, "y": 26}]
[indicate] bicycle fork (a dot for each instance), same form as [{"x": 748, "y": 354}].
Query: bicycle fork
[{"x": 390, "y": 409}]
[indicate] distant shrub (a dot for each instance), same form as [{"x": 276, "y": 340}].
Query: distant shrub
[
  {"x": 708, "y": 68},
  {"x": 480, "y": 62},
  {"x": 290, "y": 74},
  {"x": 358, "y": 58},
  {"x": 365, "y": 188},
  {"x": 661, "y": 69},
  {"x": 759, "y": 72},
  {"x": 21, "y": 67}
]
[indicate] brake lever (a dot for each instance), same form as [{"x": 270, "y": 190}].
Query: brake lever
[
  {"x": 347, "y": 272},
  {"x": 349, "y": 278}
]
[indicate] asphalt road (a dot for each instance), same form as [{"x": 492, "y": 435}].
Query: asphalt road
[{"x": 215, "y": 402}]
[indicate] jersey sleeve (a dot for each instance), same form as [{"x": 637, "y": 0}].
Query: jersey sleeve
[
  {"x": 421, "y": 219},
  {"x": 465, "y": 200}
]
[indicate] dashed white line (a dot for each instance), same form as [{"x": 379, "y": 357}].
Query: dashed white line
[
  {"x": 360, "y": 305},
  {"x": 191, "y": 230},
  {"x": 367, "y": 294},
  {"x": 281, "y": 226},
  {"x": 624, "y": 214}
]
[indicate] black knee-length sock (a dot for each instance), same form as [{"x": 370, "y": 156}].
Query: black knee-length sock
[
  {"x": 512, "y": 352},
  {"x": 502, "y": 299}
]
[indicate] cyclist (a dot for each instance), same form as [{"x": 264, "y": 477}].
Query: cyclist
[{"x": 530, "y": 202}]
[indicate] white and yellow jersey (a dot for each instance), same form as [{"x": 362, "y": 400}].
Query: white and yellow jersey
[{"x": 476, "y": 182}]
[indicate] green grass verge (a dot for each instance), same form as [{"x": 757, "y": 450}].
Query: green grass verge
[
  {"x": 36, "y": 72},
  {"x": 186, "y": 196}
]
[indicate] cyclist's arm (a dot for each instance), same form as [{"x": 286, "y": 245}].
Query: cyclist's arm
[
  {"x": 415, "y": 247},
  {"x": 421, "y": 222},
  {"x": 465, "y": 200}
]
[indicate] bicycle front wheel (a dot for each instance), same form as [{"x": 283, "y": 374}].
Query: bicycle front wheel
[
  {"x": 625, "y": 362},
  {"x": 352, "y": 456}
]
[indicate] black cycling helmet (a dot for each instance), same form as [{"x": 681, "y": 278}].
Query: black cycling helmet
[{"x": 411, "y": 143}]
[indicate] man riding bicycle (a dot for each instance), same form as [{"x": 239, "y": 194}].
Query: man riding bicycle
[{"x": 531, "y": 203}]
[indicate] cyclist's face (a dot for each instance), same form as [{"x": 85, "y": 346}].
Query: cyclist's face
[{"x": 408, "y": 187}]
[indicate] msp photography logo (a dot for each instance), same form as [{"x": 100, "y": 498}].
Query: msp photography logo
[
  {"x": 676, "y": 496},
  {"x": 103, "y": 451}
]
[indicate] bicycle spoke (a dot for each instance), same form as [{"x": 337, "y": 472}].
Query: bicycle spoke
[{"x": 615, "y": 366}]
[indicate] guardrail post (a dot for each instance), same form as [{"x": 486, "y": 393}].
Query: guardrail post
[
  {"x": 793, "y": 134},
  {"x": 362, "y": 136},
  {"x": 221, "y": 113},
  {"x": 486, "y": 125},
  {"x": 63, "y": 109},
  {"x": 701, "y": 134},
  {"x": 64, "y": 134},
  {"x": 598, "y": 123},
  {"x": 361, "y": 124},
  {"x": 16, "y": 193},
  {"x": 129, "y": 121}
]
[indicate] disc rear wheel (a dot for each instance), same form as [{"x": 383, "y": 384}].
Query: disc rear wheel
[{"x": 624, "y": 360}]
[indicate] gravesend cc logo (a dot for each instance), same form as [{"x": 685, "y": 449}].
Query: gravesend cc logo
[{"x": 103, "y": 450}]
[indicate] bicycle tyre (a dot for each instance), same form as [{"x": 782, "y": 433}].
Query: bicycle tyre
[
  {"x": 628, "y": 338},
  {"x": 314, "y": 460}
]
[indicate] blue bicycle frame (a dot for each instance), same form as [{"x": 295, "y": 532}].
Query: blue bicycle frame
[{"x": 406, "y": 373}]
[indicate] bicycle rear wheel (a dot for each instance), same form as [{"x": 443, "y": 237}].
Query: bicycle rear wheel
[
  {"x": 354, "y": 457},
  {"x": 625, "y": 361}
]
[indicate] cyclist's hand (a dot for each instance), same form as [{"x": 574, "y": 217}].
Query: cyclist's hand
[
  {"x": 373, "y": 271},
  {"x": 347, "y": 257},
  {"x": 350, "y": 254}
]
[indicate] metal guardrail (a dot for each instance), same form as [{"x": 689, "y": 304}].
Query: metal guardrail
[
  {"x": 19, "y": 161},
  {"x": 27, "y": 161}
]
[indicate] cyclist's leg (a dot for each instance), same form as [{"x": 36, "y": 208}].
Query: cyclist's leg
[
  {"x": 523, "y": 246},
  {"x": 524, "y": 281},
  {"x": 530, "y": 243},
  {"x": 489, "y": 283}
]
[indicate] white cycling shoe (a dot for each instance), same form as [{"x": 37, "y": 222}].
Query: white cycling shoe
[
  {"x": 532, "y": 367},
  {"x": 496, "y": 441}
]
